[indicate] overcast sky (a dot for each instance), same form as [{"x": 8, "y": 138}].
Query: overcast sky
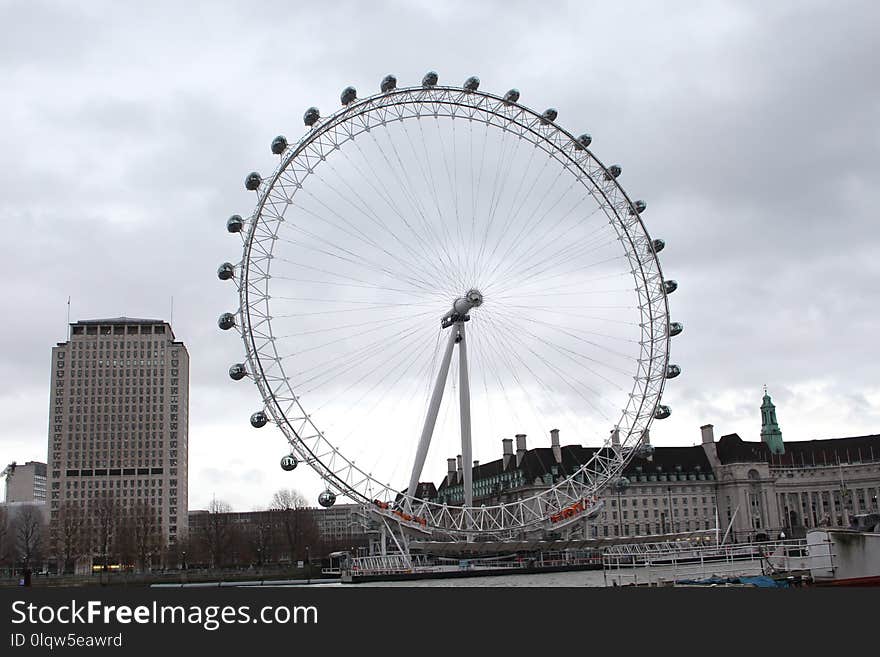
[{"x": 750, "y": 128}]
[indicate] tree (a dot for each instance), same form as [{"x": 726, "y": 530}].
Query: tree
[
  {"x": 296, "y": 523},
  {"x": 218, "y": 533},
  {"x": 68, "y": 535},
  {"x": 262, "y": 536},
  {"x": 145, "y": 533},
  {"x": 106, "y": 516},
  {"x": 28, "y": 533}
]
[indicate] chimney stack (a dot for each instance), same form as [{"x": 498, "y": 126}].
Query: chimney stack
[
  {"x": 476, "y": 464},
  {"x": 554, "y": 443},
  {"x": 520, "y": 448},
  {"x": 450, "y": 471},
  {"x": 459, "y": 470},
  {"x": 708, "y": 432},
  {"x": 615, "y": 437},
  {"x": 507, "y": 451}
]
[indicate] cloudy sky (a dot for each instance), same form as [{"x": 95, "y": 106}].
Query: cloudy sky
[{"x": 750, "y": 128}]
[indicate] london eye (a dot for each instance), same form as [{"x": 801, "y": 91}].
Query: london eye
[{"x": 430, "y": 269}]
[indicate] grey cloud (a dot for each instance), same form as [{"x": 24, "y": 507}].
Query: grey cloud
[{"x": 750, "y": 130}]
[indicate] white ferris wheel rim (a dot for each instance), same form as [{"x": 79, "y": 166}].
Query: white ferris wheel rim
[{"x": 265, "y": 364}]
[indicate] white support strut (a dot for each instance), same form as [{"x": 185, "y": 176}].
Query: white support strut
[
  {"x": 431, "y": 417},
  {"x": 455, "y": 319},
  {"x": 465, "y": 409}
]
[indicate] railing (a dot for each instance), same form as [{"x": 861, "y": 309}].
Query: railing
[
  {"x": 667, "y": 564},
  {"x": 385, "y": 564}
]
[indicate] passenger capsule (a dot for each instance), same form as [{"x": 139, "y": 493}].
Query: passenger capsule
[
  {"x": 234, "y": 224},
  {"x": 638, "y": 207},
  {"x": 226, "y": 271},
  {"x": 472, "y": 83},
  {"x": 670, "y": 286},
  {"x": 327, "y": 498},
  {"x": 662, "y": 412},
  {"x": 279, "y": 144},
  {"x": 253, "y": 180},
  {"x": 348, "y": 95},
  {"x": 430, "y": 79},
  {"x": 259, "y": 420},
  {"x": 613, "y": 172},
  {"x": 658, "y": 245},
  {"x": 511, "y": 96},
  {"x": 389, "y": 83},
  {"x": 675, "y": 328},
  {"x": 621, "y": 483},
  {"x": 289, "y": 463},
  {"x": 549, "y": 115},
  {"x": 672, "y": 371},
  {"x": 583, "y": 142},
  {"x": 237, "y": 372},
  {"x": 226, "y": 321},
  {"x": 311, "y": 116}
]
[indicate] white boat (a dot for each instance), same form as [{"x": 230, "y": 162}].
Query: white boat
[{"x": 846, "y": 557}]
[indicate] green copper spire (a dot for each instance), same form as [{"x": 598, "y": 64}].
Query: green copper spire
[{"x": 770, "y": 432}]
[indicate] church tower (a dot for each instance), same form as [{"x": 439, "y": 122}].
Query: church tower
[{"x": 770, "y": 432}]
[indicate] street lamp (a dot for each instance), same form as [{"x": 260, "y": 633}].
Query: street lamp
[
  {"x": 619, "y": 486},
  {"x": 184, "y": 559}
]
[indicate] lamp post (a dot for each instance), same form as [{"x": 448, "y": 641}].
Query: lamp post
[
  {"x": 184, "y": 559},
  {"x": 619, "y": 486},
  {"x": 308, "y": 564}
]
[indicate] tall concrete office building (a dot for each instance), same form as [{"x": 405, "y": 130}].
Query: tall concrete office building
[{"x": 119, "y": 414}]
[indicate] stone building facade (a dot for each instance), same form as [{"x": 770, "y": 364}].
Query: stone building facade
[{"x": 733, "y": 489}]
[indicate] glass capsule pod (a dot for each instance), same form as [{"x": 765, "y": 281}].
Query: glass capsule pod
[
  {"x": 279, "y": 145},
  {"x": 327, "y": 498},
  {"x": 259, "y": 420},
  {"x": 311, "y": 116},
  {"x": 549, "y": 115},
  {"x": 234, "y": 224},
  {"x": 253, "y": 180},
  {"x": 662, "y": 412},
  {"x": 389, "y": 83},
  {"x": 583, "y": 141},
  {"x": 237, "y": 372},
  {"x": 613, "y": 171},
  {"x": 348, "y": 95},
  {"x": 226, "y": 271},
  {"x": 638, "y": 207},
  {"x": 226, "y": 321}
]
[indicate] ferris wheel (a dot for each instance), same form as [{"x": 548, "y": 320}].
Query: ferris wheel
[{"x": 431, "y": 270}]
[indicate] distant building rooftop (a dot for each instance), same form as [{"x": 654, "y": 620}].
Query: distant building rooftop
[
  {"x": 829, "y": 451},
  {"x": 118, "y": 320},
  {"x": 120, "y": 325}
]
